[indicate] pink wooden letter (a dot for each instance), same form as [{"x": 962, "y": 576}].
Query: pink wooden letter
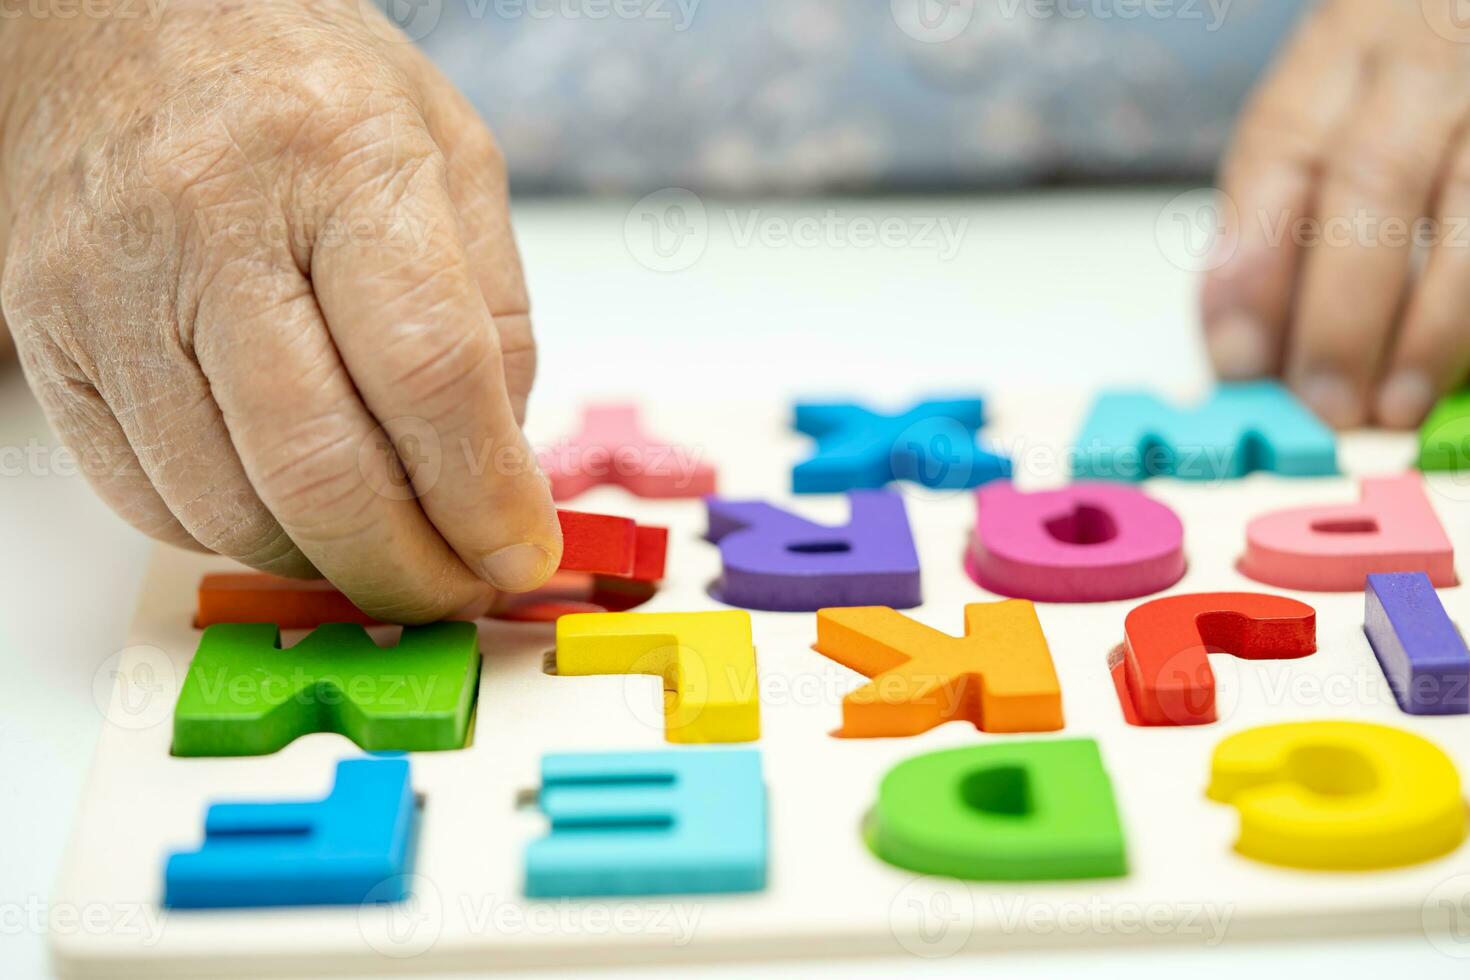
[
  {"x": 613, "y": 449},
  {"x": 1335, "y": 549},
  {"x": 1090, "y": 542}
]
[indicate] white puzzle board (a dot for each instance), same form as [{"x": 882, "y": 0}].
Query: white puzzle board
[{"x": 827, "y": 895}]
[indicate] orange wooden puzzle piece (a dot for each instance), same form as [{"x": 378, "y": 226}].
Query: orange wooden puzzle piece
[
  {"x": 291, "y": 604},
  {"x": 619, "y": 562},
  {"x": 999, "y": 676}
]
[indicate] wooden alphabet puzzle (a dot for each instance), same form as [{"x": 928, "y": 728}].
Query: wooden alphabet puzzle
[
  {"x": 1162, "y": 670},
  {"x": 650, "y": 823},
  {"x": 999, "y": 676},
  {"x": 1089, "y": 542},
  {"x": 932, "y": 444},
  {"x": 1339, "y": 796},
  {"x": 354, "y": 846},
  {"x": 1225, "y": 696},
  {"x": 1017, "y": 811},
  {"x": 245, "y": 695},
  {"x": 1422, "y": 653},
  {"x": 1237, "y": 430},
  {"x": 777, "y": 561},
  {"x": 1393, "y": 528}
]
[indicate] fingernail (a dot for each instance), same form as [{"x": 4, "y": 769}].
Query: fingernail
[
  {"x": 518, "y": 568},
  {"x": 1334, "y": 399},
  {"x": 1405, "y": 399},
  {"x": 1239, "y": 347}
]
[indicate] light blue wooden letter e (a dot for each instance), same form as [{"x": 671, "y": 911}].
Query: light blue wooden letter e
[{"x": 650, "y": 823}]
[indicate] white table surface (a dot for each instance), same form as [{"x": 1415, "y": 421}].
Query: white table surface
[{"x": 760, "y": 300}]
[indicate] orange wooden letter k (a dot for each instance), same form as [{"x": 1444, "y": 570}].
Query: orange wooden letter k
[{"x": 999, "y": 676}]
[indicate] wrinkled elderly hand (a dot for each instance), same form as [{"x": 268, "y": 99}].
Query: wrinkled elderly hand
[
  {"x": 1353, "y": 157},
  {"x": 260, "y": 272}
]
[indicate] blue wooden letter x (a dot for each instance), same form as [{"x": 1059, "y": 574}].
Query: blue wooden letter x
[
  {"x": 353, "y": 846},
  {"x": 932, "y": 444},
  {"x": 650, "y": 823}
]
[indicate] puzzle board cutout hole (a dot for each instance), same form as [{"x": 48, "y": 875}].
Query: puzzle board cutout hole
[
  {"x": 574, "y": 592},
  {"x": 649, "y": 697}
]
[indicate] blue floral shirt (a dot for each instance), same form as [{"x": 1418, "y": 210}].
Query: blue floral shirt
[{"x": 776, "y": 95}]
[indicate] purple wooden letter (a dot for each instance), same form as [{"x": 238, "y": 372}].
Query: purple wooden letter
[
  {"x": 775, "y": 560},
  {"x": 1421, "y": 652}
]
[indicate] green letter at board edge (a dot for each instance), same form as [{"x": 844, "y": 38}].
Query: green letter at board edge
[
  {"x": 1012, "y": 811},
  {"x": 1444, "y": 439}
]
